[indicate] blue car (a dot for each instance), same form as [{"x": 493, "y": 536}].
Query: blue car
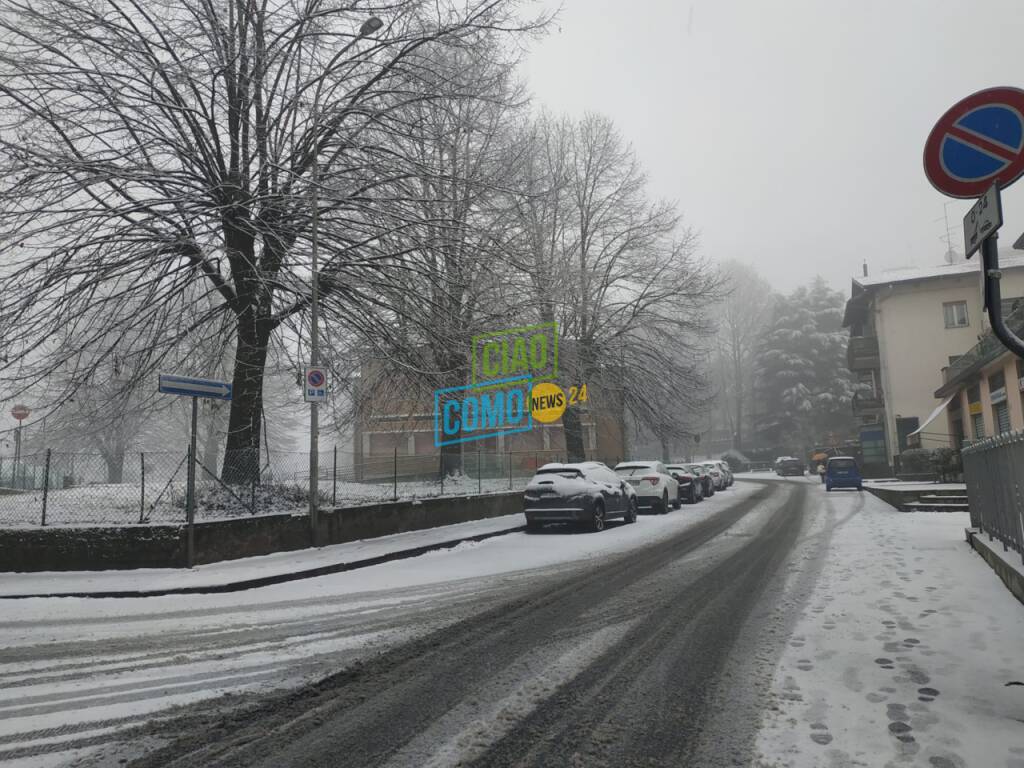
[{"x": 843, "y": 472}]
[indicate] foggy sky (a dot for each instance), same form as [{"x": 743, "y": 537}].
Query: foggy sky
[{"x": 790, "y": 133}]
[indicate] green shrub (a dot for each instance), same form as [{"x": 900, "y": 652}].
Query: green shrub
[
  {"x": 916, "y": 461},
  {"x": 736, "y": 460}
]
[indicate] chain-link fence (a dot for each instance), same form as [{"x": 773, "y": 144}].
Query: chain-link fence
[
  {"x": 995, "y": 487},
  {"x": 62, "y": 488}
]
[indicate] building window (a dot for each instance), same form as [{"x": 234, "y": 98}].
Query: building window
[
  {"x": 955, "y": 313},
  {"x": 1001, "y": 417},
  {"x": 978, "y": 426}
]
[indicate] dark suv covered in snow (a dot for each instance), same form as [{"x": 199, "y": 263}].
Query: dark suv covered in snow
[
  {"x": 790, "y": 466},
  {"x": 588, "y": 493}
]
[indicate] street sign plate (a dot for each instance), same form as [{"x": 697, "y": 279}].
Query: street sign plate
[
  {"x": 188, "y": 386},
  {"x": 984, "y": 218},
  {"x": 315, "y": 386},
  {"x": 977, "y": 143},
  {"x": 21, "y": 412}
]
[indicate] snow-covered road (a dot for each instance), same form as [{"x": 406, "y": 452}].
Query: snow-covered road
[
  {"x": 772, "y": 625},
  {"x": 76, "y": 672}
]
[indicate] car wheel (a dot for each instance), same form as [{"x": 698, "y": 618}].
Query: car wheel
[
  {"x": 677, "y": 502},
  {"x": 631, "y": 511},
  {"x": 597, "y": 523},
  {"x": 664, "y": 502},
  {"x": 860, "y": 487},
  {"x": 828, "y": 487}
]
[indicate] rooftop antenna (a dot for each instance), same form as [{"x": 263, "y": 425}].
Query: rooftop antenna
[{"x": 951, "y": 256}]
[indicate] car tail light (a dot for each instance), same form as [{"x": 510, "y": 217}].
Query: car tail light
[{"x": 653, "y": 479}]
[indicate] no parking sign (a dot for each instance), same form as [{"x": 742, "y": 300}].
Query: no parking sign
[
  {"x": 978, "y": 143},
  {"x": 315, "y": 389}
]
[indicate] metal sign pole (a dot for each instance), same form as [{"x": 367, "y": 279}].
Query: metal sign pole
[
  {"x": 993, "y": 296},
  {"x": 190, "y": 493}
]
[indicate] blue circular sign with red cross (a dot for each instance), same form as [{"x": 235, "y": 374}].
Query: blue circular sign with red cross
[{"x": 977, "y": 143}]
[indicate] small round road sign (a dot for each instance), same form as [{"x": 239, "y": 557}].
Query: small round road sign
[
  {"x": 977, "y": 143},
  {"x": 316, "y": 378},
  {"x": 21, "y": 412}
]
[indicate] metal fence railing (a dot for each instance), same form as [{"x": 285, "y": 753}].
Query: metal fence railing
[
  {"x": 994, "y": 474},
  {"x": 66, "y": 488}
]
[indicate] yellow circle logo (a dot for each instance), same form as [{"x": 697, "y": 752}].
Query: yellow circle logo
[{"x": 547, "y": 402}]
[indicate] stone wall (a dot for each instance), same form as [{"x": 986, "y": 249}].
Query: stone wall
[{"x": 165, "y": 546}]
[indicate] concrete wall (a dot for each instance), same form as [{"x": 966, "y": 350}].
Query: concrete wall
[
  {"x": 164, "y": 546},
  {"x": 915, "y": 345}
]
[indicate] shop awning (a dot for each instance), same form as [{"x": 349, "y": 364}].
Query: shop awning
[{"x": 934, "y": 415}]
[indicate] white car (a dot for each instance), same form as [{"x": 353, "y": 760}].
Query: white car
[
  {"x": 717, "y": 475},
  {"x": 655, "y": 487},
  {"x": 726, "y": 470}
]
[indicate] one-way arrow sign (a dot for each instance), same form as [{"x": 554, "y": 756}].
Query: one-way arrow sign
[{"x": 190, "y": 387}]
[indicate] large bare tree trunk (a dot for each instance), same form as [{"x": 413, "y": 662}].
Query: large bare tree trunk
[
  {"x": 115, "y": 465},
  {"x": 572, "y": 427},
  {"x": 242, "y": 452}
]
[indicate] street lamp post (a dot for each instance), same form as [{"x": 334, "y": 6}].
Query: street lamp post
[{"x": 368, "y": 27}]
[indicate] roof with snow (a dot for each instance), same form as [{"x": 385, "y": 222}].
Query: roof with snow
[
  {"x": 909, "y": 274},
  {"x": 863, "y": 287}
]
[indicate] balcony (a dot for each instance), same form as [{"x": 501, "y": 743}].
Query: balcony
[
  {"x": 862, "y": 353},
  {"x": 868, "y": 403}
]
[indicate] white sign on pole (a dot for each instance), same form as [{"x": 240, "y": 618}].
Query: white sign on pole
[
  {"x": 984, "y": 218},
  {"x": 315, "y": 385},
  {"x": 189, "y": 386}
]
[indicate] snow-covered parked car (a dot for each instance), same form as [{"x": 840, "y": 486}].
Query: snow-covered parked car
[
  {"x": 655, "y": 487},
  {"x": 726, "y": 470},
  {"x": 717, "y": 476},
  {"x": 588, "y": 493},
  {"x": 691, "y": 487}
]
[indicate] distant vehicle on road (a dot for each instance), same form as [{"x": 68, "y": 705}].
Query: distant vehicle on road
[
  {"x": 706, "y": 480},
  {"x": 843, "y": 472},
  {"x": 691, "y": 487},
  {"x": 655, "y": 487},
  {"x": 788, "y": 466},
  {"x": 588, "y": 493}
]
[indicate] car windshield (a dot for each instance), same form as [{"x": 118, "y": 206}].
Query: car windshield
[
  {"x": 330, "y": 332},
  {"x": 842, "y": 464},
  {"x": 632, "y": 469}
]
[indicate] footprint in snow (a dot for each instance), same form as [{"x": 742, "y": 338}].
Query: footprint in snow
[{"x": 820, "y": 734}]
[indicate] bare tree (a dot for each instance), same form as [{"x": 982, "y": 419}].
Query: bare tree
[
  {"x": 619, "y": 273},
  {"x": 742, "y": 317},
  {"x": 166, "y": 144}
]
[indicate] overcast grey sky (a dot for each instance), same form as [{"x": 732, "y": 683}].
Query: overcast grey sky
[{"x": 791, "y": 132}]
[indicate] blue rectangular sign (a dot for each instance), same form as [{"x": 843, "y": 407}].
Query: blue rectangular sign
[
  {"x": 466, "y": 413},
  {"x": 188, "y": 386}
]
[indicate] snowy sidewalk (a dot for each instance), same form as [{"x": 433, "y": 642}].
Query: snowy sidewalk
[
  {"x": 246, "y": 573},
  {"x": 909, "y": 652}
]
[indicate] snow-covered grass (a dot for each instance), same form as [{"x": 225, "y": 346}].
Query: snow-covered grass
[
  {"x": 904, "y": 653},
  {"x": 123, "y": 504}
]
